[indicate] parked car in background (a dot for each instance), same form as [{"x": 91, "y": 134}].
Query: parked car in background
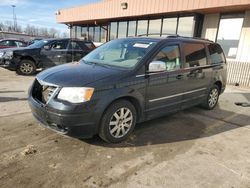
[
  {"x": 34, "y": 41},
  {"x": 44, "y": 54},
  {"x": 12, "y": 43},
  {"x": 127, "y": 81}
]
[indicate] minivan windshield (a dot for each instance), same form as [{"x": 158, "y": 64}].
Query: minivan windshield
[{"x": 125, "y": 53}]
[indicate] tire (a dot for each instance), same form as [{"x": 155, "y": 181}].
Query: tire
[
  {"x": 116, "y": 127},
  {"x": 212, "y": 98},
  {"x": 26, "y": 67}
]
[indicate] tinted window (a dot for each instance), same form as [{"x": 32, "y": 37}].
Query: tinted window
[
  {"x": 20, "y": 44},
  {"x": 58, "y": 45},
  {"x": 8, "y": 43},
  {"x": 74, "y": 45},
  {"x": 3, "y": 43},
  {"x": 39, "y": 44},
  {"x": 171, "y": 56},
  {"x": 216, "y": 54},
  {"x": 195, "y": 55}
]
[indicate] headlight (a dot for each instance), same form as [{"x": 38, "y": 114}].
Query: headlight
[
  {"x": 76, "y": 94},
  {"x": 8, "y": 55}
]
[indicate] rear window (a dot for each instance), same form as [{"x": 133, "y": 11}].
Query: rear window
[
  {"x": 195, "y": 54},
  {"x": 216, "y": 53}
]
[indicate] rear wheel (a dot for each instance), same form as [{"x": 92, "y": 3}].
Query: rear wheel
[
  {"x": 118, "y": 122},
  {"x": 212, "y": 98},
  {"x": 26, "y": 67}
]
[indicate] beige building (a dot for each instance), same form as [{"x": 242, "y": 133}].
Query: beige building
[{"x": 224, "y": 21}]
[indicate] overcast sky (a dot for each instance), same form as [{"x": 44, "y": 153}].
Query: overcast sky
[{"x": 37, "y": 12}]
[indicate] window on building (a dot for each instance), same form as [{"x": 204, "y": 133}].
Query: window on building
[
  {"x": 78, "y": 31},
  {"x": 84, "y": 33},
  {"x": 229, "y": 33},
  {"x": 216, "y": 54},
  {"x": 169, "y": 26},
  {"x": 104, "y": 33},
  {"x": 73, "y": 32},
  {"x": 154, "y": 27},
  {"x": 91, "y": 33},
  {"x": 97, "y": 34},
  {"x": 122, "y": 30},
  {"x": 195, "y": 55},
  {"x": 186, "y": 26},
  {"x": 113, "y": 30},
  {"x": 170, "y": 55},
  {"x": 142, "y": 27},
  {"x": 131, "y": 28}
]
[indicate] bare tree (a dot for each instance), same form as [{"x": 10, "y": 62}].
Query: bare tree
[
  {"x": 53, "y": 32},
  {"x": 31, "y": 30}
]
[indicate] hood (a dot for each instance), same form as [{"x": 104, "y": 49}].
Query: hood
[
  {"x": 76, "y": 74},
  {"x": 15, "y": 49}
]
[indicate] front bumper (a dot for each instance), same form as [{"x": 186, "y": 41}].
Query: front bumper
[
  {"x": 79, "y": 125},
  {"x": 8, "y": 64}
]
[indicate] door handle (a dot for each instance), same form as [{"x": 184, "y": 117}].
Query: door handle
[{"x": 180, "y": 76}]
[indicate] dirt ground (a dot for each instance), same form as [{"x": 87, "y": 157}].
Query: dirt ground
[{"x": 192, "y": 148}]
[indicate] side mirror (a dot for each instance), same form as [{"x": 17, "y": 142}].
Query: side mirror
[
  {"x": 157, "y": 66},
  {"x": 46, "y": 47}
]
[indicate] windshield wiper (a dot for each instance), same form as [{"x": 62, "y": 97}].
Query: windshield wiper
[{"x": 94, "y": 63}]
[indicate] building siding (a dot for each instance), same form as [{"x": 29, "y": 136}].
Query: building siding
[{"x": 112, "y": 8}]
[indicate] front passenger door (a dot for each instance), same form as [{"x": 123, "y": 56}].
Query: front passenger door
[
  {"x": 164, "y": 89},
  {"x": 54, "y": 53},
  {"x": 75, "y": 52}
]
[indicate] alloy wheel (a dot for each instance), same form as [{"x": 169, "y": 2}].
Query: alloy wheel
[
  {"x": 213, "y": 97},
  {"x": 120, "y": 122},
  {"x": 26, "y": 68}
]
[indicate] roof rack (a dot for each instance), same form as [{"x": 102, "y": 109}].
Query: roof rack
[
  {"x": 169, "y": 35},
  {"x": 159, "y": 34},
  {"x": 198, "y": 38}
]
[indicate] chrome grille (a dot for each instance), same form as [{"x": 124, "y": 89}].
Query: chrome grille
[{"x": 47, "y": 93}]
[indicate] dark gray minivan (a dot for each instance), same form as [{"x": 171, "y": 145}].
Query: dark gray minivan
[{"x": 127, "y": 81}]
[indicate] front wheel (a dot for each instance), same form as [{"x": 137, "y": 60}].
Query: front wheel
[
  {"x": 118, "y": 122},
  {"x": 26, "y": 67},
  {"x": 212, "y": 98}
]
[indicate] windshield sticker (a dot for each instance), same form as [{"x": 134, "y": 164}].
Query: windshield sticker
[{"x": 141, "y": 45}]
